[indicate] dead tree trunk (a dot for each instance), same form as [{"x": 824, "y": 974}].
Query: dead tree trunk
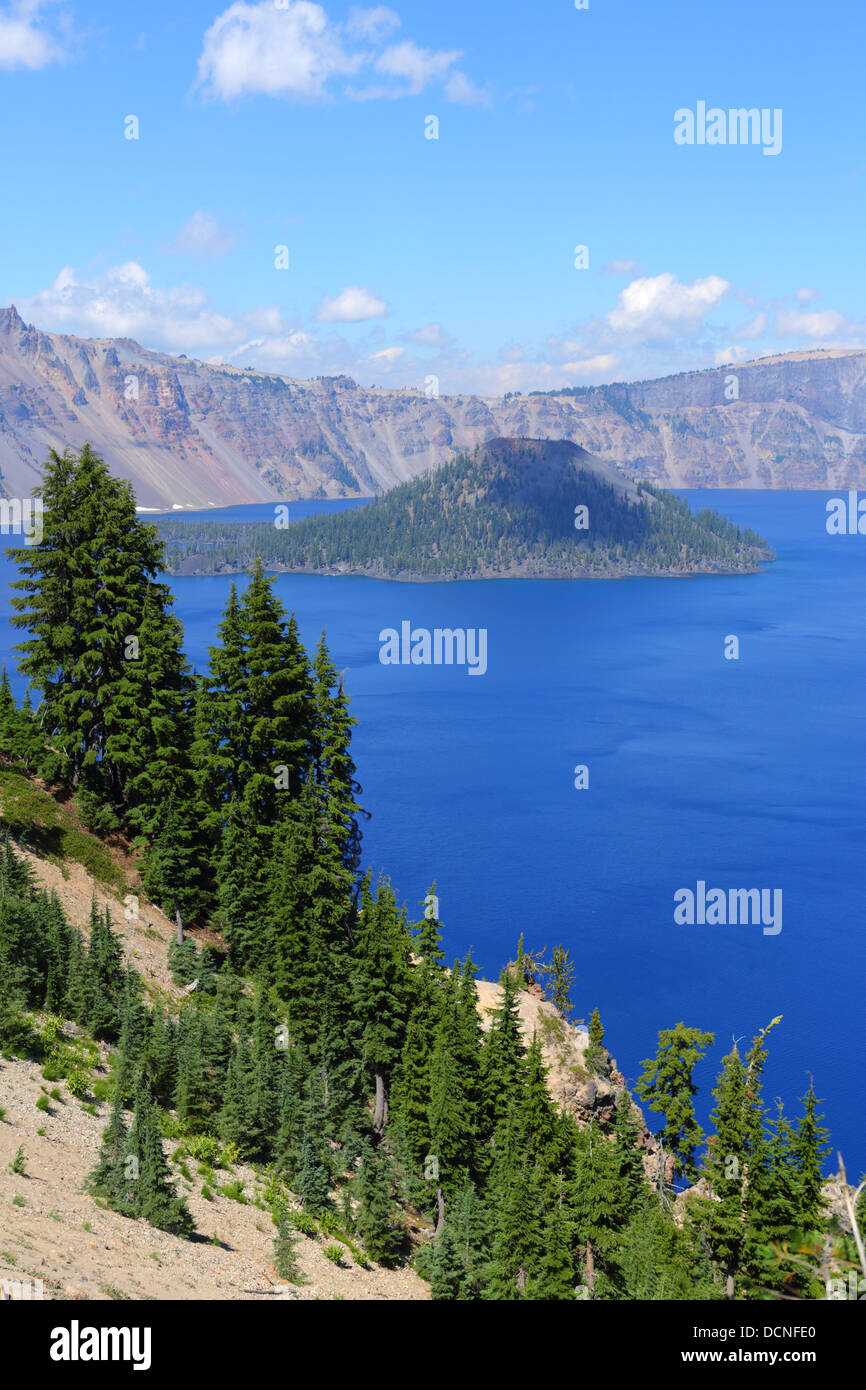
[
  {"x": 440, "y": 1211},
  {"x": 380, "y": 1108}
]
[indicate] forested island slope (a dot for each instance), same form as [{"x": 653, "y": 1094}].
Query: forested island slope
[{"x": 514, "y": 508}]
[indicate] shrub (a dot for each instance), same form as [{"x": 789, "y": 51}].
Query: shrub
[
  {"x": 334, "y": 1253},
  {"x": 43, "y": 1103},
  {"x": 170, "y": 1127},
  {"x": 19, "y": 1162},
  {"x": 78, "y": 1082},
  {"x": 52, "y": 1030},
  {"x": 303, "y": 1222},
  {"x": 231, "y": 1155},
  {"x": 205, "y": 1148},
  {"x": 206, "y": 1193},
  {"x": 235, "y": 1190}
]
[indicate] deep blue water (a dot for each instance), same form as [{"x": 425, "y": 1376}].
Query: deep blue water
[{"x": 745, "y": 773}]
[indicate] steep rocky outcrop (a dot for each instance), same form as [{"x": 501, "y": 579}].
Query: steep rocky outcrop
[{"x": 190, "y": 433}]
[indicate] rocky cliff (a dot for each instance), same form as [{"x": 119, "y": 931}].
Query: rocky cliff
[{"x": 188, "y": 433}]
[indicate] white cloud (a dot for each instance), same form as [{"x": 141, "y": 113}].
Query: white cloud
[
  {"x": 754, "y": 328},
  {"x": 431, "y": 335},
  {"x": 805, "y": 296},
  {"x": 24, "y": 42},
  {"x": 511, "y": 352},
  {"x": 730, "y": 356},
  {"x": 387, "y": 355},
  {"x": 351, "y": 305},
  {"x": 417, "y": 66},
  {"x": 299, "y": 53},
  {"x": 122, "y": 303},
  {"x": 655, "y": 307},
  {"x": 616, "y": 267},
  {"x": 463, "y": 92},
  {"x": 201, "y": 237},
  {"x": 289, "y": 52},
  {"x": 826, "y": 324},
  {"x": 372, "y": 24},
  {"x": 599, "y": 365}
]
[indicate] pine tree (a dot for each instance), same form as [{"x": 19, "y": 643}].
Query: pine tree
[
  {"x": 332, "y": 758},
  {"x": 376, "y": 1221},
  {"x": 627, "y": 1157},
  {"x": 597, "y": 1207},
  {"x": 811, "y": 1146},
  {"x": 158, "y": 1202},
  {"x": 220, "y": 759},
  {"x": 381, "y": 996},
  {"x": 554, "y": 1279},
  {"x": 107, "y": 1178},
  {"x": 105, "y": 971},
  {"x": 596, "y": 1054},
  {"x": 313, "y": 1183},
  {"x": 562, "y": 980},
  {"x": 286, "y": 1257},
  {"x": 83, "y": 593},
  {"x": 517, "y": 1204},
  {"x": 278, "y": 701},
  {"x": 241, "y": 878},
  {"x": 503, "y": 1055},
  {"x": 729, "y": 1152},
  {"x": 410, "y": 1093},
  {"x": 310, "y": 910},
  {"x": 667, "y": 1085}
]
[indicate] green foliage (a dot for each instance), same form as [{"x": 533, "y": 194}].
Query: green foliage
[
  {"x": 667, "y": 1085},
  {"x": 303, "y": 1222},
  {"x": 286, "y": 1257},
  {"x": 234, "y": 1190}
]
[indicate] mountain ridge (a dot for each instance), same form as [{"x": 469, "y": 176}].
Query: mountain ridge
[{"x": 195, "y": 434}]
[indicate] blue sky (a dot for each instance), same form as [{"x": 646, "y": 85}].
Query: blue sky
[{"x": 272, "y": 124}]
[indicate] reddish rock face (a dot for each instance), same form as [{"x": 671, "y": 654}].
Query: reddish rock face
[{"x": 186, "y": 432}]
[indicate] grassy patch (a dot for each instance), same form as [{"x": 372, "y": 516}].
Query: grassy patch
[{"x": 36, "y": 819}]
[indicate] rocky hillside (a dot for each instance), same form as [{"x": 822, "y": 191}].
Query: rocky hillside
[
  {"x": 188, "y": 433},
  {"x": 53, "y": 1230}
]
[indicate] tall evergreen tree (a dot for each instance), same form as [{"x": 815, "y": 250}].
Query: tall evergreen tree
[
  {"x": 667, "y": 1085},
  {"x": 83, "y": 593}
]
